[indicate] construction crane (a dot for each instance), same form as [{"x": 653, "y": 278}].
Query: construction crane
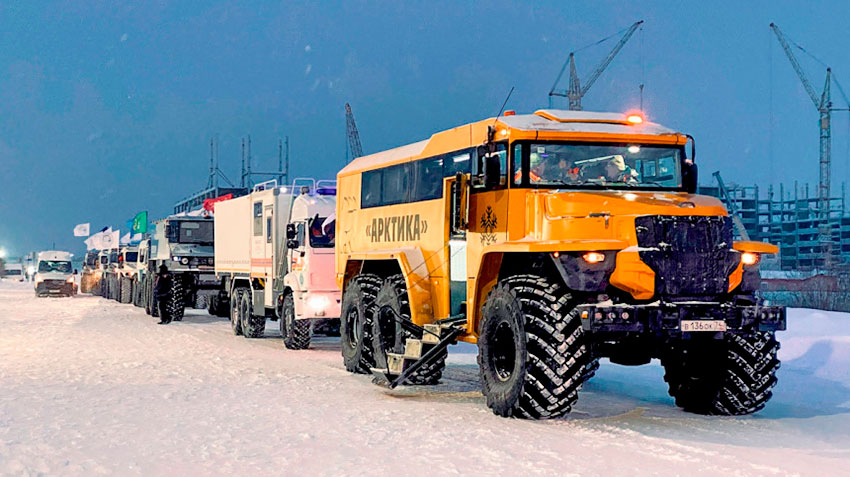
[
  {"x": 576, "y": 92},
  {"x": 353, "y": 136},
  {"x": 823, "y": 103}
]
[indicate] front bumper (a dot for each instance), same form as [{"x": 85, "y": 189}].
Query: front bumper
[
  {"x": 666, "y": 318},
  {"x": 54, "y": 287}
]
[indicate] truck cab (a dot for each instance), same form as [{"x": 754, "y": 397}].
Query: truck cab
[
  {"x": 54, "y": 274},
  {"x": 184, "y": 244}
]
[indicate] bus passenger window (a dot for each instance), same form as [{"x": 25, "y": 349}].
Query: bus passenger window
[
  {"x": 427, "y": 179},
  {"x": 370, "y": 194},
  {"x": 395, "y": 184}
]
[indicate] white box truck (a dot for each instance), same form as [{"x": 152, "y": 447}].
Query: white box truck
[{"x": 274, "y": 254}]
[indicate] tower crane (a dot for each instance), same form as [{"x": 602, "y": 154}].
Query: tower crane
[
  {"x": 823, "y": 103},
  {"x": 353, "y": 135},
  {"x": 575, "y": 92}
]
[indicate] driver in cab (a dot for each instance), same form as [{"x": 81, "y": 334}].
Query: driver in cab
[{"x": 616, "y": 170}]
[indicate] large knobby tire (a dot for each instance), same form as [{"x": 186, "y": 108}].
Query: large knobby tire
[
  {"x": 177, "y": 301},
  {"x": 252, "y": 326},
  {"x": 393, "y": 337},
  {"x": 126, "y": 290},
  {"x": 295, "y": 333},
  {"x": 137, "y": 292},
  {"x": 235, "y": 318},
  {"x": 356, "y": 324},
  {"x": 531, "y": 349},
  {"x": 729, "y": 377},
  {"x": 590, "y": 369}
]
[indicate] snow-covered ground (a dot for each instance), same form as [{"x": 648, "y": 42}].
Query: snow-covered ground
[{"x": 89, "y": 386}]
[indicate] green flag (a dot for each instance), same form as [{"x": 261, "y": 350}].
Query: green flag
[{"x": 140, "y": 223}]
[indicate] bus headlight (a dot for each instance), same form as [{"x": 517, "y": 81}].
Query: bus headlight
[{"x": 750, "y": 258}]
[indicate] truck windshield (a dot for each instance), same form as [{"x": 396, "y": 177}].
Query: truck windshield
[
  {"x": 131, "y": 257},
  {"x": 191, "y": 231},
  {"x": 46, "y": 266},
  {"x": 608, "y": 166},
  {"x": 13, "y": 272},
  {"x": 322, "y": 234},
  {"x": 91, "y": 259}
]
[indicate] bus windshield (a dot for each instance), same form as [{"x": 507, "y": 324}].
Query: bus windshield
[{"x": 604, "y": 165}]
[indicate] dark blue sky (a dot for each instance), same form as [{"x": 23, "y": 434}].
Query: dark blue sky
[{"x": 107, "y": 108}]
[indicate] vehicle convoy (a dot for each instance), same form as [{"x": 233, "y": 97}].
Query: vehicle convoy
[
  {"x": 54, "y": 274},
  {"x": 185, "y": 245},
  {"x": 274, "y": 254},
  {"x": 91, "y": 274},
  {"x": 551, "y": 240}
]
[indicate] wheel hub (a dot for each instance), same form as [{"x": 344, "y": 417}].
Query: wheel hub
[
  {"x": 352, "y": 322},
  {"x": 504, "y": 351}
]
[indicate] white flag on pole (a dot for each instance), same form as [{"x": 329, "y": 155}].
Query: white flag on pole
[
  {"x": 90, "y": 242},
  {"x": 136, "y": 238},
  {"x": 82, "y": 230},
  {"x": 125, "y": 239},
  {"x": 107, "y": 239}
]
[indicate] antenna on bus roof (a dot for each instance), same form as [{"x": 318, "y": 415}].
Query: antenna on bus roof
[{"x": 491, "y": 129}]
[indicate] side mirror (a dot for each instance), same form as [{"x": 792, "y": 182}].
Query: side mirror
[
  {"x": 291, "y": 243},
  {"x": 290, "y": 232},
  {"x": 75, "y": 271},
  {"x": 492, "y": 171},
  {"x": 689, "y": 176}
]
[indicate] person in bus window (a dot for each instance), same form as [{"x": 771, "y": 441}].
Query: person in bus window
[{"x": 616, "y": 170}]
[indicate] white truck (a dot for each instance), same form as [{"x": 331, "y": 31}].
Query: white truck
[
  {"x": 184, "y": 244},
  {"x": 274, "y": 254},
  {"x": 54, "y": 274},
  {"x": 124, "y": 275}
]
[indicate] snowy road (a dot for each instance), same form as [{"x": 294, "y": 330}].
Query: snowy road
[{"x": 89, "y": 386}]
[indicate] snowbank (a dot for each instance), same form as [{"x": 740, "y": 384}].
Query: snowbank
[{"x": 91, "y": 386}]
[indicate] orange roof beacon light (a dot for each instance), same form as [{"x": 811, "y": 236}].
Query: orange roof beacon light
[{"x": 634, "y": 118}]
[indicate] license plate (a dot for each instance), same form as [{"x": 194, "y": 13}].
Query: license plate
[{"x": 703, "y": 325}]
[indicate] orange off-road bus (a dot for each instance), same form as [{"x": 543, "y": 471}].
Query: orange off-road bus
[{"x": 551, "y": 240}]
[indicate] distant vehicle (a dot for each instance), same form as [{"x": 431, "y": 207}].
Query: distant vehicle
[
  {"x": 108, "y": 264},
  {"x": 275, "y": 256},
  {"x": 13, "y": 272},
  {"x": 54, "y": 275},
  {"x": 122, "y": 274},
  {"x": 91, "y": 276},
  {"x": 185, "y": 245}
]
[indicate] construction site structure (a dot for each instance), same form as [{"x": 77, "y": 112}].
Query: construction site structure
[
  {"x": 247, "y": 176},
  {"x": 795, "y": 220}
]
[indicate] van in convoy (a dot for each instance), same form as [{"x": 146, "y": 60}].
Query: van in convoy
[{"x": 54, "y": 274}]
